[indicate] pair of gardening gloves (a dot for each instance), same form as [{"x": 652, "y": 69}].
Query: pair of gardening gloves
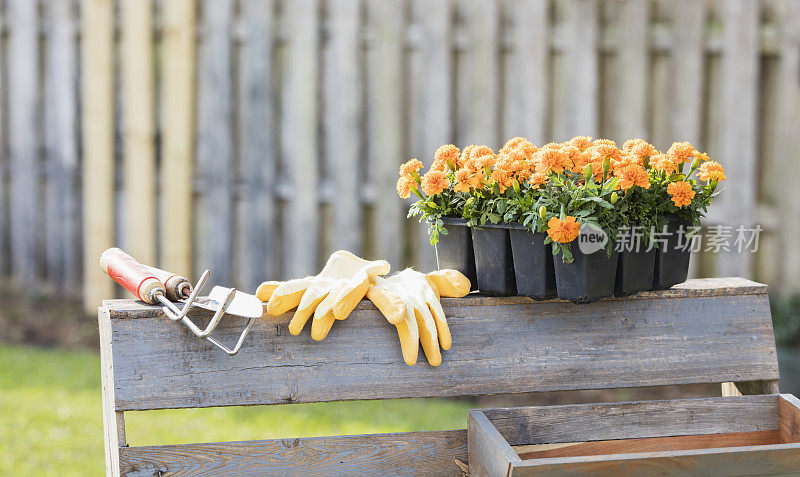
[{"x": 409, "y": 300}]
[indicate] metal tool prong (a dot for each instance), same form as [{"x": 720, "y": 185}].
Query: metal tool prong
[
  {"x": 188, "y": 303},
  {"x": 217, "y": 315}
]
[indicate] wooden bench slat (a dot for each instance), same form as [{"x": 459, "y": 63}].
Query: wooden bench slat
[
  {"x": 703, "y": 332},
  {"x": 409, "y": 453}
]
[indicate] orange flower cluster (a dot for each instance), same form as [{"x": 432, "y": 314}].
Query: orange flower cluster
[
  {"x": 681, "y": 192},
  {"x": 563, "y": 231}
]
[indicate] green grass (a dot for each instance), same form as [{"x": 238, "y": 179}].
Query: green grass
[{"x": 51, "y": 419}]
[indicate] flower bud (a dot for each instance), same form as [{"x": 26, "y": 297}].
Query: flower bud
[
  {"x": 588, "y": 172},
  {"x": 614, "y": 197},
  {"x": 606, "y": 167},
  {"x": 543, "y": 212},
  {"x": 515, "y": 184}
]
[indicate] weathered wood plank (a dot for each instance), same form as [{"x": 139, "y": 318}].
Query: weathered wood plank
[
  {"x": 489, "y": 453},
  {"x": 581, "y": 101},
  {"x": 631, "y": 420},
  {"x": 777, "y": 459},
  {"x": 23, "y": 109},
  {"x": 343, "y": 86},
  {"x": 214, "y": 219},
  {"x": 113, "y": 421},
  {"x": 98, "y": 145},
  {"x": 477, "y": 107},
  {"x": 61, "y": 149},
  {"x": 430, "y": 100},
  {"x": 501, "y": 348},
  {"x": 410, "y": 453},
  {"x": 788, "y": 418},
  {"x": 299, "y": 139},
  {"x": 139, "y": 129},
  {"x": 385, "y": 143},
  {"x": 256, "y": 251},
  {"x": 649, "y": 444},
  {"x": 630, "y": 116},
  {"x": 738, "y": 117},
  {"x": 526, "y": 77},
  {"x": 177, "y": 109}
]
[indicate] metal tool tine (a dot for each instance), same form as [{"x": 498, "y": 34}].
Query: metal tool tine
[
  {"x": 218, "y": 315},
  {"x": 238, "y": 346},
  {"x": 188, "y": 303}
]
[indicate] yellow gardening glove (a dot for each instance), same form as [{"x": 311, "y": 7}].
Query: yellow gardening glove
[
  {"x": 410, "y": 301},
  {"x": 330, "y": 295}
]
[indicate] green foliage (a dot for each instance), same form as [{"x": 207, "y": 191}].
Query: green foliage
[{"x": 786, "y": 319}]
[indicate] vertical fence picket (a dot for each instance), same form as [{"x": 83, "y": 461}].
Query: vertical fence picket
[
  {"x": 385, "y": 124},
  {"x": 477, "y": 111},
  {"x": 214, "y": 143},
  {"x": 299, "y": 141},
  {"x": 688, "y": 21},
  {"x": 139, "y": 123},
  {"x": 431, "y": 99},
  {"x": 738, "y": 120},
  {"x": 23, "y": 126},
  {"x": 257, "y": 206},
  {"x": 630, "y": 113},
  {"x": 177, "y": 113},
  {"x": 61, "y": 146},
  {"x": 581, "y": 101},
  {"x": 527, "y": 72},
  {"x": 4, "y": 166},
  {"x": 342, "y": 93},
  {"x": 787, "y": 143},
  {"x": 98, "y": 145}
]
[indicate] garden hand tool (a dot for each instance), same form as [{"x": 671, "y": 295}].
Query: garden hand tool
[
  {"x": 410, "y": 301},
  {"x": 332, "y": 294},
  {"x": 144, "y": 283}
]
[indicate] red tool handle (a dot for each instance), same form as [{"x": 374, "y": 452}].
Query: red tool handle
[
  {"x": 178, "y": 287},
  {"x": 132, "y": 275}
]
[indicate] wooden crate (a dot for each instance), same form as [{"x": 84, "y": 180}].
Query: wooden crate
[
  {"x": 734, "y": 435},
  {"x": 702, "y": 331}
]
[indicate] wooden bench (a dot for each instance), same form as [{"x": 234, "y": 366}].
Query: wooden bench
[{"x": 703, "y": 331}]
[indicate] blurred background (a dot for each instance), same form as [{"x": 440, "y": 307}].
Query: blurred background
[{"x": 254, "y": 137}]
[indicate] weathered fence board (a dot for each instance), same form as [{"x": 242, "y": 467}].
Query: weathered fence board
[
  {"x": 62, "y": 228},
  {"x": 177, "y": 157},
  {"x": 385, "y": 146},
  {"x": 215, "y": 158},
  {"x": 138, "y": 122},
  {"x": 98, "y": 144},
  {"x": 312, "y": 106},
  {"x": 257, "y": 207},
  {"x": 648, "y": 341},
  {"x": 24, "y": 197}
]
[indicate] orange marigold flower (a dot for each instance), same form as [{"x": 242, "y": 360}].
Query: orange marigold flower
[
  {"x": 537, "y": 179},
  {"x": 631, "y": 175},
  {"x": 485, "y": 160},
  {"x": 479, "y": 151},
  {"x": 447, "y": 153},
  {"x": 463, "y": 181},
  {"x": 410, "y": 167},
  {"x": 434, "y": 182},
  {"x": 663, "y": 163},
  {"x": 578, "y": 158},
  {"x": 518, "y": 143},
  {"x": 681, "y": 192},
  {"x": 681, "y": 152},
  {"x": 405, "y": 184},
  {"x": 466, "y": 154},
  {"x": 711, "y": 171},
  {"x": 552, "y": 160},
  {"x": 607, "y": 142},
  {"x": 639, "y": 151},
  {"x": 563, "y": 231},
  {"x": 502, "y": 178},
  {"x": 581, "y": 142}
]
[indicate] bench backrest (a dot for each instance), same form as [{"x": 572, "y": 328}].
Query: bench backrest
[{"x": 704, "y": 331}]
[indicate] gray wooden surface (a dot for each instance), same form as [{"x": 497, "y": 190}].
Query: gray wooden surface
[
  {"x": 500, "y": 345},
  {"x": 429, "y": 453},
  {"x": 632, "y": 420},
  {"x": 489, "y": 452}
]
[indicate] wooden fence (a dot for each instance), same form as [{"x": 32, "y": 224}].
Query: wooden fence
[{"x": 253, "y": 137}]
